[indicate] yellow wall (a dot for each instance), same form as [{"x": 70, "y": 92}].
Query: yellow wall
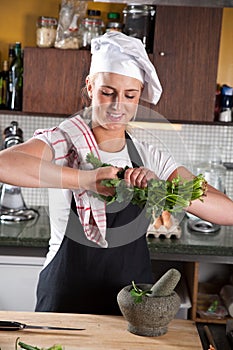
[
  {"x": 225, "y": 70},
  {"x": 18, "y": 23},
  {"x": 18, "y": 19}
]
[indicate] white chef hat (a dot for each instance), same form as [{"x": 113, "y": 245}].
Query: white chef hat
[{"x": 115, "y": 52}]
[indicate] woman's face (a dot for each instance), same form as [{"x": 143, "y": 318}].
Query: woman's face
[{"x": 114, "y": 99}]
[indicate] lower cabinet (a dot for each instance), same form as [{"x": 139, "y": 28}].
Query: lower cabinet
[
  {"x": 19, "y": 276},
  {"x": 199, "y": 288},
  {"x": 200, "y": 284}
]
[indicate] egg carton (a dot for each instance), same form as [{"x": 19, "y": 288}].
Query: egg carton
[{"x": 173, "y": 231}]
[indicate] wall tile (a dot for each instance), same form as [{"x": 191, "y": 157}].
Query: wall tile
[{"x": 186, "y": 144}]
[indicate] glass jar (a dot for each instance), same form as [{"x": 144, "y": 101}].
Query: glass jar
[
  {"x": 90, "y": 28},
  {"x": 114, "y": 22},
  {"x": 211, "y": 166},
  {"x": 46, "y": 31},
  {"x": 114, "y": 26},
  {"x": 139, "y": 22}
]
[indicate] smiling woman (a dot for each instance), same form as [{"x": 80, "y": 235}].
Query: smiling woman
[
  {"x": 97, "y": 249},
  {"x": 114, "y": 101}
]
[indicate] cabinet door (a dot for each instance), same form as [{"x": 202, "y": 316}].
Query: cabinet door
[
  {"x": 186, "y": 48},
  {"x": 19, "y": 276},
  {"x": 53, "y": 80}
]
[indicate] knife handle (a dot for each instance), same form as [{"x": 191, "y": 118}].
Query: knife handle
[
  {"x": 210, "y": 337},
  {"x": 11, "y": 326}
]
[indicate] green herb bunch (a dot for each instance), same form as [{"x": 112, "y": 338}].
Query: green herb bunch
[
  {"x": 138, "y": 293},
  {"x": 158, "y": 196}
]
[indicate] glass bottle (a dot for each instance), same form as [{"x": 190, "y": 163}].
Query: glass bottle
[
  {"x": 11, "y": 54},
  {"x": 4, "y": 77},
  {"x": 15, "y": 85}
]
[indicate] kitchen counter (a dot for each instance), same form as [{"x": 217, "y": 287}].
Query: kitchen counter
[
  {"x": 194, "y": 246},
  {"x": 32, "y": 237},
  {"x": 26, "y": 237},
  {"x": 101, "y": 332}
]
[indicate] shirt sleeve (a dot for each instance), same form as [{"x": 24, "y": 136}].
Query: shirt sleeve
[{"x": 59, "y": 142}]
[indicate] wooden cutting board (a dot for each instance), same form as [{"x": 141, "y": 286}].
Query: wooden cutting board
[{"x": 101, "y": 332}]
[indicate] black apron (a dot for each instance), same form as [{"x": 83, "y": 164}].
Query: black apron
[{"x": 84, "y": 278}]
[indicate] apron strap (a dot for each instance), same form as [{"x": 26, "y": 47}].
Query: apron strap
[{"x": 133, "y": 152}]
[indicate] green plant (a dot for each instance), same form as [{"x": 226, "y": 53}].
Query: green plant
[
  {"x": 158, "y": 196},
  {"x": 31, "y": 347},
  {"x": 138, "y": 293}
]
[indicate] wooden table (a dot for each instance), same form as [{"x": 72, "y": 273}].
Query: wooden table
[{"x": 101, "y": 332}]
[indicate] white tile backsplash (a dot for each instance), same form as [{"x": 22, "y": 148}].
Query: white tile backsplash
[{"x": 182, "y": 142}]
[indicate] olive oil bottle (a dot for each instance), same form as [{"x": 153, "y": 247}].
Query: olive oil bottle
[
  {"x": 15, "y": 85},
  {"x": 4, "y": 78}
]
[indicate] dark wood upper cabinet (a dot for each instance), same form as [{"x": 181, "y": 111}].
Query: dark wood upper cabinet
[
  {"x": 186, "y": 49},
  {"x": 53, "y": 80}
]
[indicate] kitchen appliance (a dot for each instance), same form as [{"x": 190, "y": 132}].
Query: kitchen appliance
[
  {"x": 12, "y": 205},
  {"x": 210, "y": 165},
  {"x": 225, "y": 114}
]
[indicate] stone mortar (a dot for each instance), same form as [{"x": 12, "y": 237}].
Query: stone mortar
[{"x": 151, "y": 316}]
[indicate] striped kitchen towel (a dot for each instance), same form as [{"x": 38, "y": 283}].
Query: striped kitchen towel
[{"x": 78, "y": 135}]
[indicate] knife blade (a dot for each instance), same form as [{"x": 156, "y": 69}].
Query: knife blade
[{"x": 16, "y": 326}]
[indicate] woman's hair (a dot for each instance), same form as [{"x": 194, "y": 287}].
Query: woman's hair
[{"x": 86, "y": 101}]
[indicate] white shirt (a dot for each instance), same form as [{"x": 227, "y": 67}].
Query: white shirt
[{"x": 161, "y": 163}]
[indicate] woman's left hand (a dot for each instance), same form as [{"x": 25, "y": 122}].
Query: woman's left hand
[{"x": 139, "y": 176}]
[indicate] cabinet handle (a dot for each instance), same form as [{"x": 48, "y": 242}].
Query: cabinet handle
[{"x": 161, "y": 53}]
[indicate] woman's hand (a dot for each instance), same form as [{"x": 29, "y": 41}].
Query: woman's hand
[
  {"x": 139, "y": 176},
  {"x": 91, "y": 179}
]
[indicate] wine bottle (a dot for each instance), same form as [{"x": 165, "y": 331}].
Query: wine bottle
[
  {"x": 4, "y": 75},
  {"x": 15, "y": 85},
  {"x": 11, "y": 54}
]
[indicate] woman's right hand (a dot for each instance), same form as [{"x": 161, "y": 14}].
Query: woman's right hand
[{"x": 91, "y": 179}]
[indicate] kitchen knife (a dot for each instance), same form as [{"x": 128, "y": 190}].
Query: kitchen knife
[
  {"x": 16, "y": 326},
  {"x": 210, "y": 337}
]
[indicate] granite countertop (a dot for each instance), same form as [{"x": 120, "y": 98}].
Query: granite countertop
[
  {"x": 31, "y": 233},
  {"x": 216, "y": 246}
]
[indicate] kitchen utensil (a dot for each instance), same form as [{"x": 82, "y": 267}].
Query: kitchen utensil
[
  {"x": 229, "y": 331},
  {"x": 199, "y": 225},
  {"x": 17, "y": 326},
  {"x": 12, "y": 205},
  {"x": 210, "y": 337}
]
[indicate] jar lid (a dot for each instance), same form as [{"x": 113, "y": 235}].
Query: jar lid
[
  {"x": 92, "y": 22},
  {"x": 47, "y": 21},
  {"x": 96, "y": 13},
  {"x": 113, "y": 15},
  {"x": 145, "y": 9}
]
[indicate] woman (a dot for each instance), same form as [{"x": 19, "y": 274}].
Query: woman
[{"x": 96, "y": 249}]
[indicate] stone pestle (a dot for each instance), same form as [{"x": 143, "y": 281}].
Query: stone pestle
[{"x": 166, "y": 284}]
